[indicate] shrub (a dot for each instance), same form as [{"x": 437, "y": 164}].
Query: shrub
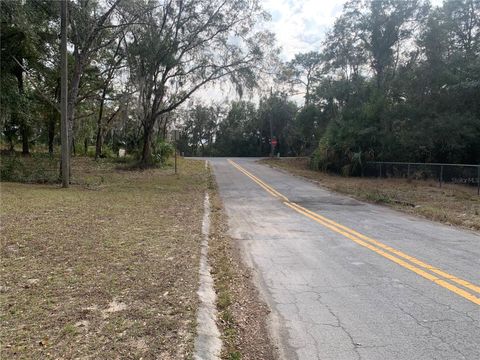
[
  {"x": 162, "y": 152},
  {"x": 107, "y": 152},
  {"x": 37, "y": 168}
]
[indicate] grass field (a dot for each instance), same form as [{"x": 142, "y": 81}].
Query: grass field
[
  {"x": 106, "y": 269},
  {"x": 452, "y": 204}
]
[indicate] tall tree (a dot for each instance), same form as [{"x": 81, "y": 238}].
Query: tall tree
[
  {"x": 239, "y": 133},
  {"x": 23, "y": 35},
  {"x": 304, "y": 71},
  {"x": 113, "y": 62},
  {"x": 277, "y": 112},
  {"x": 92, "y": 29},
  {"x": 382, "y": 26},
  {"x": 183, "y": 45}
]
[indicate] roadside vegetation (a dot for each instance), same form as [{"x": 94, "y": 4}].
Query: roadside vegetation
[
  {"x": 105, "y": 269},
  {"x": 452, "y": 204}
]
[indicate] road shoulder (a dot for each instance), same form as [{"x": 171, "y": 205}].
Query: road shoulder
[{"x": 451, "y": 205}]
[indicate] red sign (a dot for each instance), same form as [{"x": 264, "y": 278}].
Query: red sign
[{"x": 274, "y": 142}]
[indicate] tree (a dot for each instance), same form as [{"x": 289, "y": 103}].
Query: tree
[
  {"x": 344, "y": 52},
  {"x": 23, "y": 35},
  {"x": 277, "y": 113},
  {"x": 309, "y": 125},
  {"x": 382, "y": 26},
  {"x": 200, "y": 128},
  {"x": 113, "y": 62},
  {"x": 239, "y": 133},
  {"x": 303, "y": 70},
  {"x": 424, "y": 85},
  {"x": 91, "y": 31},
  {"x": 183, "y": 45}
]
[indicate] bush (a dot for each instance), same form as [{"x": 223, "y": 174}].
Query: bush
[
  {"x": 162, "y": 152},
  {"x": 107, "y": 152},
  {"x": 37, "y": 168}
]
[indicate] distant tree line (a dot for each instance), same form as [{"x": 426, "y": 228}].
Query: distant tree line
[{"x": 244, "y": 128}]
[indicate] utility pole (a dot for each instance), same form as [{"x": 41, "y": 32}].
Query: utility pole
[
  {"x": 65, "y": 167},
  {"x": 175, "y": 157},
  {"x": 272, "y": 146},
  {"x": 176, "y": 137}
]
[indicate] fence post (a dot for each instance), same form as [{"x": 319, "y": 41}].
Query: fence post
[
  {"x": 441, "y": 175},
  {"x": 408, "y": 171},
  {"x": 380, "y": 171},
  {"x": 478, "y": 180}
]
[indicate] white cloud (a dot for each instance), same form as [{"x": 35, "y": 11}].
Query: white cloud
[{"x": 301, "y": 26}]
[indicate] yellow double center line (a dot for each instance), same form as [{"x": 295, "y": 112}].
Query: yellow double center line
[{"x": 419, "y": 267}]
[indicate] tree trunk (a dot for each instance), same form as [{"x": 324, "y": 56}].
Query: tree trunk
[
  {"x": 24, "y": 131},
  {"x": 147, "y": 158},
  {"x": 24, "y": 135},
  {"x": 85, "y": 146},
  {"x": 99, "y": 140},
  {"x": 73, "y": 94},
  {"x": 165, "y": 129},
  {"x": 98, "y": 144},
  {"x": 51, "y": 131}
]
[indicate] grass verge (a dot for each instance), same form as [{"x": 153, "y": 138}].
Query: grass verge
[
  {"x": 106, "y": 269},
  {"x": 452, "y": 204},
  {"x": 242, "y": 315}
]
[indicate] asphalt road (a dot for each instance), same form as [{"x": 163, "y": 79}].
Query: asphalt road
[{"x": 349, "y": 280}]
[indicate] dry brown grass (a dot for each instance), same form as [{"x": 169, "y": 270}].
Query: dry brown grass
[
  {"x": 452, "y": 204},
  {"x": 105, "y": 269}
]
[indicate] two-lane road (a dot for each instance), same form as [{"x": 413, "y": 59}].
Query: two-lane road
[{"x": 349, "y": 280}]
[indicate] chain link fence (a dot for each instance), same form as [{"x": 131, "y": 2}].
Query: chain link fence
[{"x": 465, "y": 174}]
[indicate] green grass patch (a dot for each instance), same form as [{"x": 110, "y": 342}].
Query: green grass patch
[{"x": 376, "y": 197}]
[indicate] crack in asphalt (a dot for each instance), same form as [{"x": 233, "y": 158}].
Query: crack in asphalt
[
  {"x": 344, "y": 328},
  {"x": 339, "y": 324},
  {"x": 424, "y": 324},
  {"x": 448, "y": 307}
]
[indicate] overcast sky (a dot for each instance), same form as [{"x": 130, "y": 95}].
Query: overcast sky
[
  {"x": 301, "y": 25},
  {"x": 298, "y": 25}
]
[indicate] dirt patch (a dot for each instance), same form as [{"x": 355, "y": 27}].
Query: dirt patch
[
  {"x": 452, "y": 204},
  {"x": 242, "y": 315},
  {"x": 106, "y": 269}
]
